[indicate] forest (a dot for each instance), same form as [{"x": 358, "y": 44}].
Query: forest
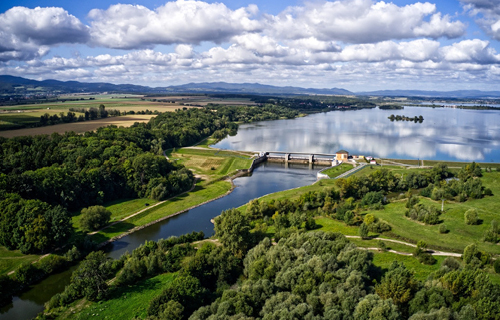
[{"x": 269, "y": 262}]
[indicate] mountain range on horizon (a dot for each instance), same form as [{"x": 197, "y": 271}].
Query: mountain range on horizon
[{"x": 17, "y": 85}]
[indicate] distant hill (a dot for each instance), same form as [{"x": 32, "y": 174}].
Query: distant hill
[
  {"x": 251, "y": 88},
  {"x": 22, "y": 86},
  {"x": 18, "y": 85},
  {"x": 13, "y": 85},
  {"x": 433, "y": 94}
]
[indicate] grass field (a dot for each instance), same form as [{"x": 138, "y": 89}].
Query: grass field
[
  {"x": 78, "y": 127},
  {"x": 211, "y": 164},
  {"x": 120, "y": 209},
  {"x": 200, "y": 194},
  {"x": 124, "y": 303},
  {"x": 460, "y": 234},
  {"x": 384, "y": 260},
  {"x": 11, "y": 259},
  {"x": 337, "y": 170}
]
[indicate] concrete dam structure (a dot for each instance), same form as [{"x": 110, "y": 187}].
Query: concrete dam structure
[{"x": 299, "y": 157}]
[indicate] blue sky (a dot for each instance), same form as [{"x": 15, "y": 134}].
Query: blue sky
[{"x": 359, "y": 45}]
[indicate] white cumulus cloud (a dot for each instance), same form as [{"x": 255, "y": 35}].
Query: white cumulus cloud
[
  {"x": 182, "y": 22},
  {"x": 28, "y": 33},
  {"x": 363, "y": 21}
]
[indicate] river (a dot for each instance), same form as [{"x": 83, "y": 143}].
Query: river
[
  {"x": 445, "y": 134},
  {"x": 266, "y": 178}
]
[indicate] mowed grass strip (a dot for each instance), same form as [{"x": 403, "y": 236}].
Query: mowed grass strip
[
  {"x": 126, "y": 302},
  {"x": 10, "y": 260},
  {"x": 384, "y": 260},
  {"x": 200, "y": 194},
  {"x": 119, "y": 209},
  {"x": 337, "y": 170}
]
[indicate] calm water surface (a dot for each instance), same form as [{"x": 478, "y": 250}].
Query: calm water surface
[
  {"x": 445, "y": 134},
  {"x": 266, "y": 178}
]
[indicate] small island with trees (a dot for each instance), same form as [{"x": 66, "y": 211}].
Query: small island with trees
[{"x": 415, "y": 119}]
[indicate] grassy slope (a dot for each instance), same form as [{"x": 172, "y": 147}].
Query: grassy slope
[
  {"x": 124, "y": 303},
  {"x": 120, "y": 209},
  {"x": 10, "y": 260},
  {"x": 338, "y": 170},
  {"x": 460, "y": 234}
]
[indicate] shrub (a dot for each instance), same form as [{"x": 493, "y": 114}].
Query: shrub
[
  {"x": 471, "y": 217},
  {"x": 496, "y": 265},
  {"x": 94, "y": 218},
  {"x": 381, "y": 245},
  {"x": 488, "y": 192},
  {"x": 311, "y": 224},
  {"x": 451, "y": 263},
  {"x": 51, "y": 264},
  {"x": 369, "y": 219},
  {"x": 372, "y": 198},
  {"x": 443, "y": 228},
  {"x": 379, "y": 227},
  {"x": 490, "y": 236},
  {"x": 363, "y": 231}
]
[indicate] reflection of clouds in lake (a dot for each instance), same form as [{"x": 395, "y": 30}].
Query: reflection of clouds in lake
[
  {"x": 448, "y": 134},
  {"x": 462, "y": 152}
]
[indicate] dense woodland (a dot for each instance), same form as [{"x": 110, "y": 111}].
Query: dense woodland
[
  {"x": 301, "y": 273},
  {"x": 43, "y": 178}
]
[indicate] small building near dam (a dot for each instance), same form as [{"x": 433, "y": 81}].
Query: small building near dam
[{"x": 342, "y": 155}]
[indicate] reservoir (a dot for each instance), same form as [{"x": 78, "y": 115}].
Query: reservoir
[
  {"x": 445, "y": 134},
  {"x": 266, "y": 178}
]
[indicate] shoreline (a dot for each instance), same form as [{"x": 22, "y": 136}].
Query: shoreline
[{"x": 240, "y": 173}]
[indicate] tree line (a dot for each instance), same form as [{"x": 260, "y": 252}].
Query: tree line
[
  {"x": 415, "y": 119},
  {"x": 43, "y": 178}
]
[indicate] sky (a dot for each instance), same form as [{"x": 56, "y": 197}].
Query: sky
[{"x": 358, "y": 45}]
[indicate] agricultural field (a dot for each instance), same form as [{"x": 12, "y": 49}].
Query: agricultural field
[
  {"x": 79, "y": 127},
  {"x": 12, "y": 118}
]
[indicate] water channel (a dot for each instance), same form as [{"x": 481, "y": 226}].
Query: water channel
[{"x": 266, "y": 178}]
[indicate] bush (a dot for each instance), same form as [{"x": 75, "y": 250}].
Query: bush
[
  {"x": 381, "y": 245},
  {"x": 443, "y": 229},
  {"x": 379, "y": 227},
  {"x": 451, "y": 263},
  {"x": 488, "y": 192},
  {"x": 27, "y": 273},
  {"x": 363, "y": 231},
  {"x": 51, "y": 264},
  {"x": 490, "y": 236},
  {"x": 496, "y": 265},
  {"x": 471, "y": 217},
  {"x": 311, "y": 224},
  {"x": 372, "y": 198},
  {"x": 94, "y": 218}
]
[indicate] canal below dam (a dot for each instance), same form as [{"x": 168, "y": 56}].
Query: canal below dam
[{"x": 266, "y": 178}]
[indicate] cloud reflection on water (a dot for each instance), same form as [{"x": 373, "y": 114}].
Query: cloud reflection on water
[{"x": 445, "y": 134}]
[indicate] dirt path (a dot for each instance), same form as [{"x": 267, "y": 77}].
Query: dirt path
[
  {"x": 433, "y": 252},
  {"x": 141, "y": 211}
]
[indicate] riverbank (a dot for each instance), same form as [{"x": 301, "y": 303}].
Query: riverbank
[{"x": 215, "y": 170}]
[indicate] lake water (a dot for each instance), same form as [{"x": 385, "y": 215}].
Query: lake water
[
  {"x": 445, "y": 134},
  {"x": 266, "y": 178}
]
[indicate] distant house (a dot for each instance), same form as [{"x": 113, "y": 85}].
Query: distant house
[
  {"x": 341, "y": 155},
  {"x": 369, "y": 158},
  {"x": 373, "y": 162}
]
